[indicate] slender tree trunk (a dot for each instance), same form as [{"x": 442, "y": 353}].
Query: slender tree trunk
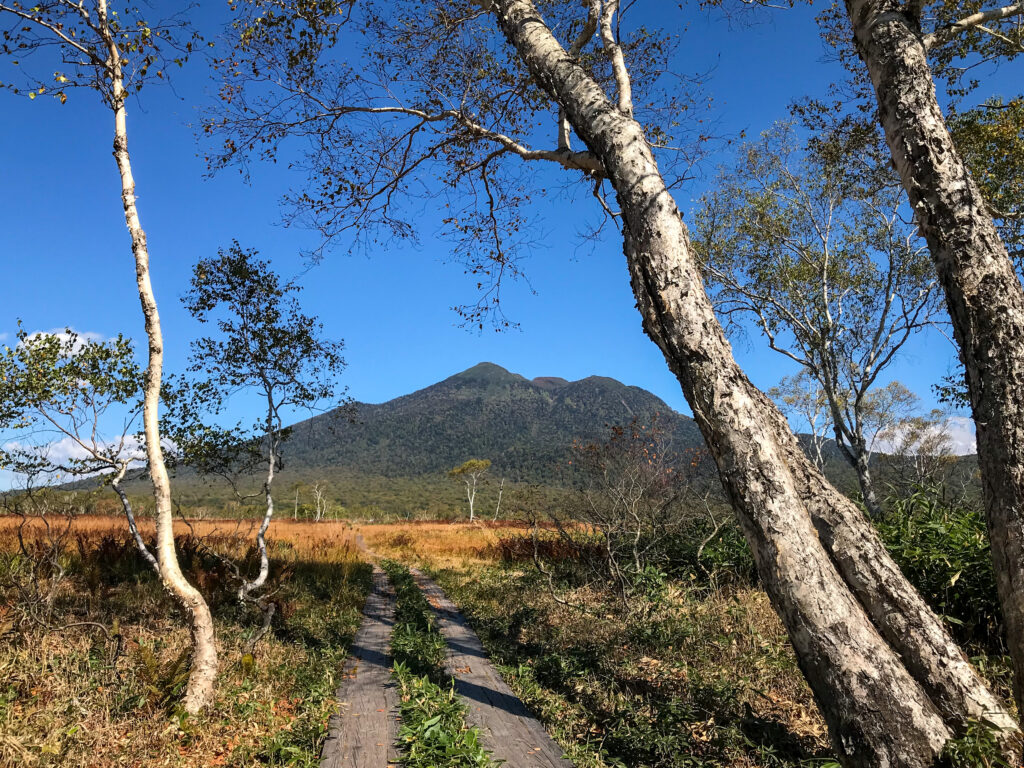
[
  {"x": 471, "y": 494},
  {"x": 497, "y": 507},
  {"x": 248, "y": 587},
  {"x": 200, "y": 689},
  {"x": 983, "y": 293},
  {"x": 862, "y": 466},
  {"x": 127, "y": 506},
  {"x": 879, "y": 713},
  {"x": 852, "y": 445}
]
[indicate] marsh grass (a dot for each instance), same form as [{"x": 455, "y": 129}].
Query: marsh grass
[
  {"x": 707, "y": 680},
  {"x": 95, "y": 680}
]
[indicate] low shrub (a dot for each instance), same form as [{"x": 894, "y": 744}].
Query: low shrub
[{"x": 943, "y": 549}]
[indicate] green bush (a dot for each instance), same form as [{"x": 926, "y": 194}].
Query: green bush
[{"x": 943, "y": 549}]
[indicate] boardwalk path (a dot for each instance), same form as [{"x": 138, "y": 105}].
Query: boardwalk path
[
  {"x": 508, "y": 729},
  {"x": 362, "y": 734}
]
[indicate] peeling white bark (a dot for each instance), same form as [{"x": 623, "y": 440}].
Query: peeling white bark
[
  {"x": 249, "y": 587},
  {"x": 883, "y": 708},
  {"x": 975, "y": 20},
  {"x": 983, "y": 294},
  {"x": 199, "y": 691},
  {"x": 614, "y": 52}
]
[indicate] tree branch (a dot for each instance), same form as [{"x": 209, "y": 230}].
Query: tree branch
[
  {"x": 975, "y": 20},
  {"x": 614, "y": 51}
]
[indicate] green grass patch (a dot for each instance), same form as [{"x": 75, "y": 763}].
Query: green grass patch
[{"x": 433, "y": 733}]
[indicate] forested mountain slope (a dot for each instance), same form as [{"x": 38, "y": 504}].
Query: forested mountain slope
[{"x": 524, "y": 427}]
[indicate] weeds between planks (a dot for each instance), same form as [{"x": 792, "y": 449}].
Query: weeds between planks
[{"x": 433, "y": 732}]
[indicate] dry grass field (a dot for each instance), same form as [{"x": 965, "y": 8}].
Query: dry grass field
[
  {"x": 441, "y": 544},
  {"x": 91, "y": 679},
  {"x": 303, "y": 537},
  {"x": 704, "y": 678}
]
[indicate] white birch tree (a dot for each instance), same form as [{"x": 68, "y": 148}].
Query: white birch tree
[
  {"x": 470, "y": 473},
  {"x": 809, "y": 244},
  {"x": 114, "y": 52},
  {"x": 264, "y": 344},
  {"x": 904, "y": 49}
]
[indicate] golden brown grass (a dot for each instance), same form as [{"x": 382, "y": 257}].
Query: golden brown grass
[
  {"x": 591, "y": 674},
  {"x": 82, "y": 696},
  {"x": 438, "y": 543},
  {"x": 441, "y": 544},
  {"x": 304, "y": 537}
]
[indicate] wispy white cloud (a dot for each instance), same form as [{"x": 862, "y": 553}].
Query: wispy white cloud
[
  {"x": 81, "y": 337},
  {"x": 962, "y": 438},
  {"x": 958, "y": 430},
  {"x": 65, "y": 451}
]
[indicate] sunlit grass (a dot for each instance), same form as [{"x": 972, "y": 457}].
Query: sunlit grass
[{"x": 103, "y": 693}]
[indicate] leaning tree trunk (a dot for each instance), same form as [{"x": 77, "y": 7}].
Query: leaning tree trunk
[
  {"x": 983, "y": 293},
  {"x": 199, "y": 691},
  {"x": 126, "y": 505},
  {"x": 881, "y": 710}
]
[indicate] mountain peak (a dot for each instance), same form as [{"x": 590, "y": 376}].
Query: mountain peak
[
  {"x": 488, "y": 373},
  {"x": 487, "y": 412}
]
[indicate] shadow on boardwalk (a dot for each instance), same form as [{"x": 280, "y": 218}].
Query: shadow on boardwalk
[
  {"x": 507, "y": 728},
  {"x": 363, "y": 732}
]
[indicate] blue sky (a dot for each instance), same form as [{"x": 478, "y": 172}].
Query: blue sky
[{"x": 67, "y": 261}]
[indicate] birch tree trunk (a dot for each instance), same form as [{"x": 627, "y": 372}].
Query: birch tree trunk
[
  {"x": 497, "y": 507},
  {"x": 126, "y": 505},
  {"x": 983, "y": 293},
  {"x": 862, "y": 466},
  {"x": 199, "y": 691},
  {"x": 248, "y": 587},
  {"x": 855, "y": 623}
]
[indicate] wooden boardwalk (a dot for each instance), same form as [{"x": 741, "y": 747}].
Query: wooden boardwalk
[
  {"x": 509, "y": 731},
  {"x": 363, "y": 732}
]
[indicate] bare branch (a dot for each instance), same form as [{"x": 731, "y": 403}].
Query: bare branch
[{"x": 614, "y": 52}]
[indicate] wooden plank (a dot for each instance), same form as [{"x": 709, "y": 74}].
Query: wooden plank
[
  {"x": 509, "y": 731},
  {"x": 362, "y": 733}
]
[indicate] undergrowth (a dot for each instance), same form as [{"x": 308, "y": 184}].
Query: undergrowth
[
  {"x": 94, "y": 677},
  {"x": 707, "y": 681}
]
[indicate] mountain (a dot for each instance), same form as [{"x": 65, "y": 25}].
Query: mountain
[
  {"x": 392, "y": 457},
  {"x": 524, "y": 427}
]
